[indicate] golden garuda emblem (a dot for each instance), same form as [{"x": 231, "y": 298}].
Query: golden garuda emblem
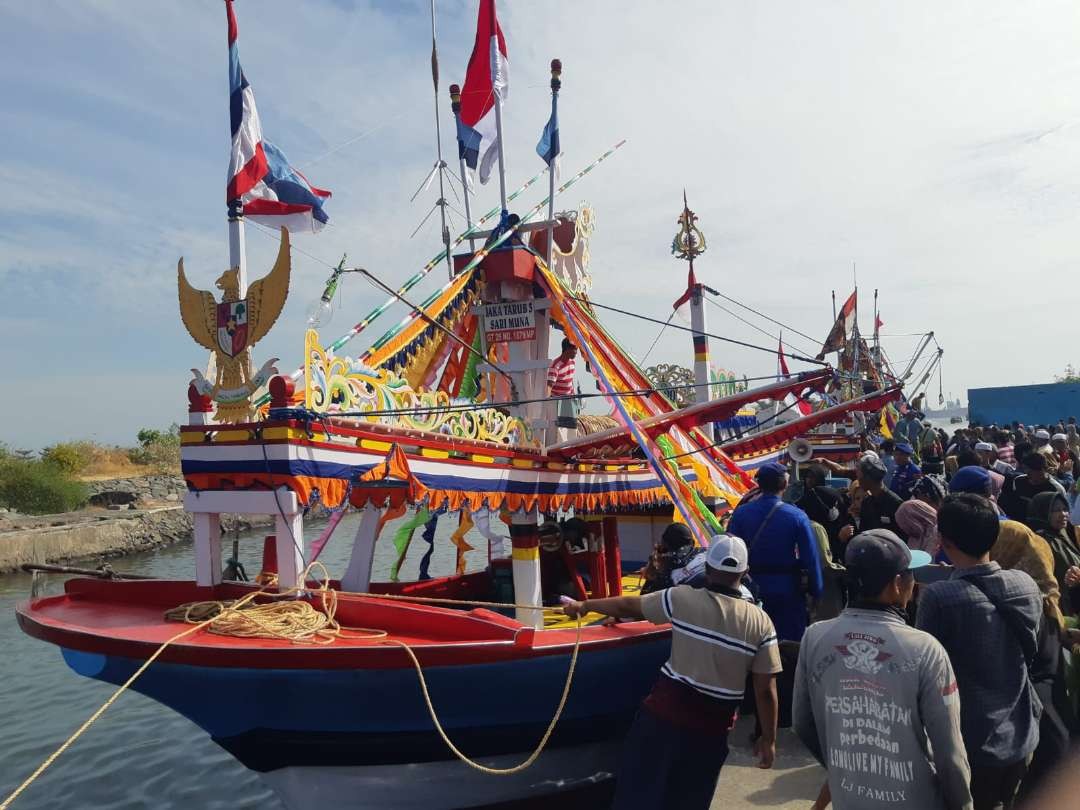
[{"x": 230, "y": 328}]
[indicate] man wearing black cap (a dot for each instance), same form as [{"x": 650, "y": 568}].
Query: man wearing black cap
[
  {"x": 783, "y": 550},
  {"x": 876, "y": 700},
  {"x": 1018, "y": 492},
  {"x": 906, "y": 472},
  {"x": 878, "y": 510}
]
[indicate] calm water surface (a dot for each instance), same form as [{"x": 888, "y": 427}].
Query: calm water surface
[{"x": 140, "y": 754}]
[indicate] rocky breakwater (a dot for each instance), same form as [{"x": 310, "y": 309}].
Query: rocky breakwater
[{"x": 124, "y": 516}]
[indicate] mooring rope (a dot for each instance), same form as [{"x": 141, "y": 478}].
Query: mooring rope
[{"x": 301, "y": 623}]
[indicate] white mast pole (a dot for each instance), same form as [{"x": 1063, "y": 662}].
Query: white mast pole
[
  {"x": 499, "y": 83},
  {"x": 556, "y": 85},
  {"x": 499, "y": 130},
  {"x": 455, "y": 105},
  {"x": 440, "y": 166},
  {"x": 237, "y": 252}
]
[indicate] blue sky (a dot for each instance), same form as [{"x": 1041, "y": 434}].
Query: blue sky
[{"x": 932, "y": 144}]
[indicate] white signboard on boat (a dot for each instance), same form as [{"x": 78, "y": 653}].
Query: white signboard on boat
[{"x": 509, "y": 322}]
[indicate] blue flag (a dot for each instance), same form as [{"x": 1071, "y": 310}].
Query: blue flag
[
  {"x": 548, "y": 147},
  {"x": 468, "y": 143}
]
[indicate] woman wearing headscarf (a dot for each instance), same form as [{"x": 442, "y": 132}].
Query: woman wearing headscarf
[
  {"x": 918, "y": 521},
  {"x": 1048, "y": 515}
]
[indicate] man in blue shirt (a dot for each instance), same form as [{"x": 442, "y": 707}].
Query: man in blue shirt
[
  {"x": 908, "y": 428},
  {"x": 783, "y": 549},
  {"x": 906, "y": 472}
]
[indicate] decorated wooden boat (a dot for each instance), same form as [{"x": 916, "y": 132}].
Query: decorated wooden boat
[{"x": 444, "y": 418}]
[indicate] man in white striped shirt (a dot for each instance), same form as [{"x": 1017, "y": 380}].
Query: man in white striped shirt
[{"x": 678, "y": 743}]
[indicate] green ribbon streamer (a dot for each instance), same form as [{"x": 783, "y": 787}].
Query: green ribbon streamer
[
  {"x": 403, "y": 537},
  {"x": 704, "y": 513}
]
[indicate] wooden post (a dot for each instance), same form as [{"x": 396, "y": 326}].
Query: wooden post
[
  {"x": 612, "y": 556},
  {"x": 525, "y": 540},
  {"x": 207, "y": 528},
  {"x": 289, "y": 528}
]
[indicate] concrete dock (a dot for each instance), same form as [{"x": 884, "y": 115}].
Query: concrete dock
[{"x": 793, "y": 781}]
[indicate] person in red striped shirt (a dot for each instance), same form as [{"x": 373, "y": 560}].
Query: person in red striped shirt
[
  {"x": 560, "y": 376},
  {"x": 560, "y": 383}
]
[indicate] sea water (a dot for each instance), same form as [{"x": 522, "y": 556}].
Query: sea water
[{"x": 141, "y": 754}]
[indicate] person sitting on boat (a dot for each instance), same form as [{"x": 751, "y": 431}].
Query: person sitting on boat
[
  {"x": 784, "y": 559},
  {"x": 678, "y": 742},
  {"x": 906, "y": 473},
  {"x": 675, "y": 560}
]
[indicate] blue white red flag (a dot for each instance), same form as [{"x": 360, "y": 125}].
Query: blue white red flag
[
  {"x": 260, "y": 177},
  {"x": 548, "y": 147},
  {"x": 487, "y": 77}
]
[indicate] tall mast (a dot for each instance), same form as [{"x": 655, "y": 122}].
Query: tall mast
[
  {"x": 877, "y": 339},
  {"x": 689, "y": 243},
  {"x": 455, "y": 105},
  {"x": 237, "y": 252},
  {"x": 440, "y": 164},
  {"x": 498, "y": 81},
  {"x": 556, "y": 85}
]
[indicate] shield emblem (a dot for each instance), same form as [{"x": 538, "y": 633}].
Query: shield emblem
[{"x": 232, "y": 328}]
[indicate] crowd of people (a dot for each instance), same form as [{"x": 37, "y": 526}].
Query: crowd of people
[{"x": 914, "y": 613}]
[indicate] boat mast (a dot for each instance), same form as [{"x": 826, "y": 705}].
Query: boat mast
[
  {"x": 455, "y": 106},
  {"x": 689, "y": 243},
  {"x": 237, "y": 252},
  {"x": 440, "y": 165},
  {"x": 556, "y": 85}
]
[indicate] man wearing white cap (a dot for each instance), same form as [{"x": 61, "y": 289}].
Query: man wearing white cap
[
  {"x": 678, "y": 742},
  {"x": 1065, "y": 458},
  {"x": 1043, "y": 448}
]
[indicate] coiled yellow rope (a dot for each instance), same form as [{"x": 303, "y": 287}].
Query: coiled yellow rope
[{"x": 301, "y": 623}]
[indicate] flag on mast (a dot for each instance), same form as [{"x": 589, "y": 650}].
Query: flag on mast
[
  {"x": 792, "y": 399},
  {"x": 487, "y": 76},
  {"x": 842, "y": 329},
  {"x": 681, "y": 305},
  {"x": 270, "y": 190},
  {"x": 548, "y": 147}
]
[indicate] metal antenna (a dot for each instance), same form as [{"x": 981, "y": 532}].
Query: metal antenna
[{"x": 440, "y": 167}]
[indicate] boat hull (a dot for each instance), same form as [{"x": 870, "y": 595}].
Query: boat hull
[
  {"x": 446, "y": 784},
  {"x": 367, "y": 734}
]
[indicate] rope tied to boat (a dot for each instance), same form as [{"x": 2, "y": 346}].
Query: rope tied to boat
[{"x": 299, "y": 622}]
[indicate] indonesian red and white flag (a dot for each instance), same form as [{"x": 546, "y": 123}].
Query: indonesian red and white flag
[
  {"x": 841, "y": 330},
  {"x": 487, "y": 77},
  {"x": 792, "y": 399},
  {"x": 682, "y": 304}
]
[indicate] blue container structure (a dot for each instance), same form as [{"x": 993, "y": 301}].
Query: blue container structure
[{"x": 1029, "y": 404}]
